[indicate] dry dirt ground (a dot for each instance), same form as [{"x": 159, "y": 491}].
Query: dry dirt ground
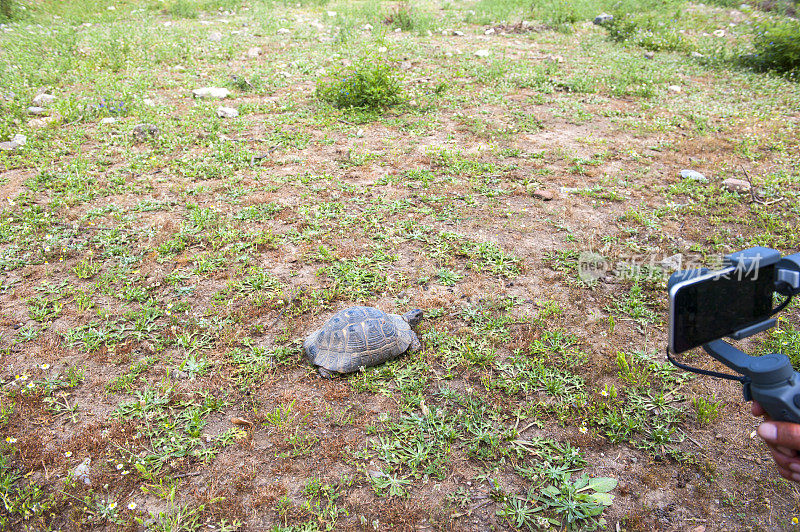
[{"x": 155, "y": 293}]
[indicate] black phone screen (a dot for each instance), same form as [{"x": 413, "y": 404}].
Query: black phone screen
[{"x": 713, "y": 308}]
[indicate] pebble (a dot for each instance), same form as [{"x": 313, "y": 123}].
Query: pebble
[
  {"x": 603, "y": 18},
  {"x": 674, "y": 88},
  {"x": 43, "y": 100},
  {"x": 82, "y": 471},
  {"x": 649, "y": 55},
  {"x": 490, "y": 31},
  {"x": 719, "y": 33},
  {"x": 331, "y": 13},
  {"x": 254, "y": 52},
  {"x": 227, "y": 112},
  {"x": 215, "y": 36},
  {"x": 108, "y": 120},
  {"x": 382, "y": 49},
  {"x": 545, "y": 195},
  {"x": 211, "y": 92},
  {"x": 367, "y": 27},
  {"x": 482, "y": 53},
  {"x": 16, "y": 142},
  {"x": 697, "y": 55},
  {"x": 693, "y": 175},
  {"x": 145, "y": 131},
  {"x": 557, "y": 59},
  {"x": 284, "y": 31},
  {"x": 736, "y": 185},
  {"x": 458, "y": 33},
  {"x": 40, "y": 123},
  {"x": 149, "y": 102},
  {"x": 35, "y": 110}
]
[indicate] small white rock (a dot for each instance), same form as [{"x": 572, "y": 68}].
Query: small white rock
[
  {"x": 649, "y": 55},
  {"x": 284, "y": 31},
  {"x": 331, "y": 13},
  {"x": 367, "y": 27},
  {"x": 43, "y": 100},
  {"x": 490, "y": 31},
  {"x": 482, "y": 53},
  {"x": 697, "y": 55},
  {"x": 254, "y": 52},
  {"x": 82, "y": 471},
  {"x": 211, "y": 92},
  {"x": 108, "y": 120},
  {"x": 36, "y": 110},
  {"x": 719, "y": 33},
  {"x": 674, "y": 88},
  {"x": 149, "y": 102},
  {"x": 40, "y": 123},
  {"x": 16, "y": 142},
  {"x": 215, "y": 36},
  {"x": 693, "y": 175},
  {"x": 458, "y": 33},
  {"x": 227, "y": 112},
  {"x": 382, "y": 49}
]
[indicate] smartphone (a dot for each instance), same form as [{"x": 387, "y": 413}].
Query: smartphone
[{"x": 717, "y": 304}]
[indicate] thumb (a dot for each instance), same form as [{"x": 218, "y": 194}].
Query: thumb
[{"x": 780, "y": 433}]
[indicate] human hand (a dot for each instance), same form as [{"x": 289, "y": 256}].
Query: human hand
[{"x": 783, "y": 440}]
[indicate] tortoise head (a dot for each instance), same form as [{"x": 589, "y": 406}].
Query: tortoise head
[{"x": 413, "y": 317}]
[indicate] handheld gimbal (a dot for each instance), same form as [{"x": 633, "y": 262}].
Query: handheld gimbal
[{"x": 770, "y": 379}]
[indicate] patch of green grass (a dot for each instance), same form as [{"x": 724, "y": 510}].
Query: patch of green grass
[
  {"x": 776, "y": 48},
  {"x": 371, "y": 84}
]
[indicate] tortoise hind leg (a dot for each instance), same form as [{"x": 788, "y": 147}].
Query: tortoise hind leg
[{"x": 324, "y": 373}]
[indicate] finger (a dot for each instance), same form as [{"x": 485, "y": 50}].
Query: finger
[
  {"x": 784, "y": 450},
  {"x": 785, "y": 461},
  {"x": 756, "y": 409},
  {"x": 780, "y": 434},
  {"x": 785, "y": 473}
]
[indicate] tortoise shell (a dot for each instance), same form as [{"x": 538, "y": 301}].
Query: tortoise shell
[{"x": 361, "y": 337}]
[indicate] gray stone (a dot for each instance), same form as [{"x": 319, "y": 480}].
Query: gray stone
[
  {"x": 736, "y": 185},
  {"x": 108, "y": 120},
  {"x": 284, "y": 31},
  {"x": 227, "y": 112},
  {"x": 33, "y": 110},
  {"x": 458, "y": 33},
  {"x": 254, "y": 52},
  {"x": 603, "y": 18},
  {"x": 490, "y": 31},
  {"x": 144, "y": 131},
  {"x": 45, "y": 121},
  {"x": 211, "y": 92},
  {"x": 43, "y": 100},
  {"x": 674, "y": 88},
  {"x": 16, "y": 142},
  {"x": 693, "y": 175},
  {"x": 483, "y": 53},
  {"x": 544, "y": 195},
  {"x": 215, "y": 36},
  {"x": 81, "y": 472}
]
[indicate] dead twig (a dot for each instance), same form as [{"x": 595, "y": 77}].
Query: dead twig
[{"x": 753, "y": 191}]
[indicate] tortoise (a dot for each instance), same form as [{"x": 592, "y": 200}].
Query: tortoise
[{"x": 359, "y": 337}]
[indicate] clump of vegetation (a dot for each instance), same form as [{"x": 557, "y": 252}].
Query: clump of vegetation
[
  {"x": 557, "y": 14},
  {"x": 646, "y": 31},
  {"x": 402, "y": 17},
  {"x": 369, "y": 84},
  {"x": 777, "y": 49},
  {"x": 8, "y": 10}
]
